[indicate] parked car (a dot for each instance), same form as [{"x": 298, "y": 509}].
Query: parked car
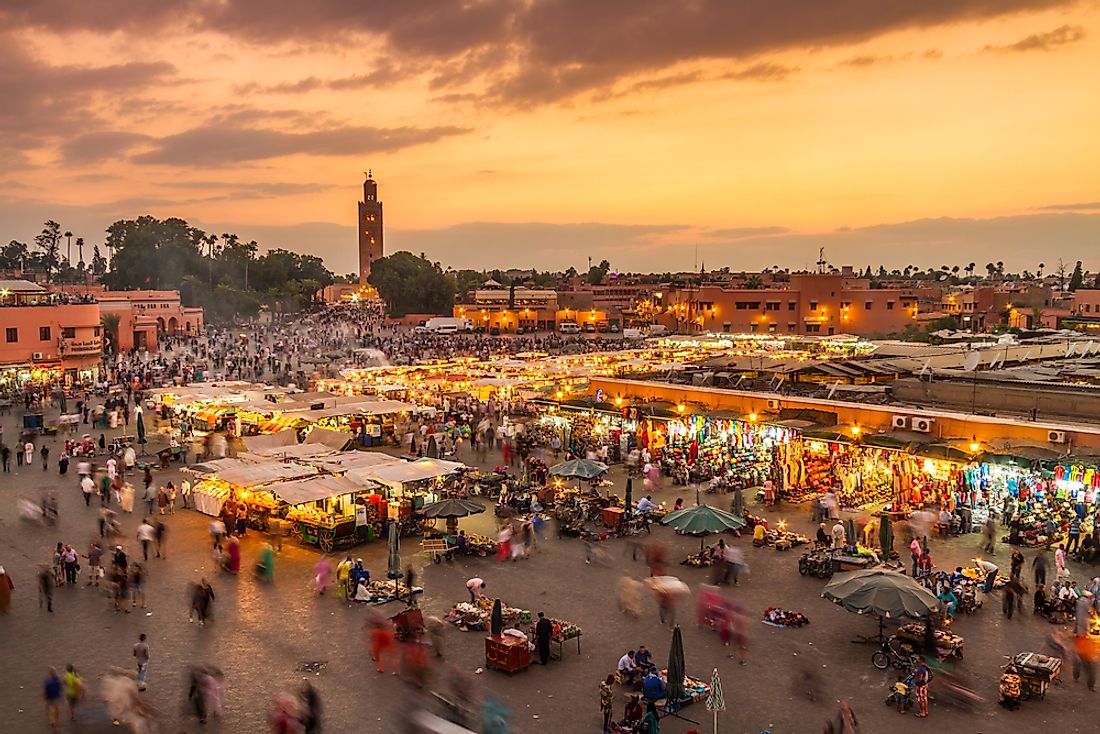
[{"x": 569, "y": 327}]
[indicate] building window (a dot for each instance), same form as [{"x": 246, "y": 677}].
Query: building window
[
  {"x": 771, "y": 328},
  {"x": 792, "y": 327},
  {"x": 43, "y": 333},
  {"x": 813, "y": 328},
  {"x": 96, "y": 331},
  {"x": 68, "y": 332},
  {"x": 813, "y": 305},
  {"x": 791, "y": 305},
  {"x": 845, "y": 304},
  {"x": 867, "y": 306},
  {"x": 12, "y": 334},
  {"x": 889, "y": 305},
  {"x": 771, "y": 306},
  {"x": 754, "y": 327}
]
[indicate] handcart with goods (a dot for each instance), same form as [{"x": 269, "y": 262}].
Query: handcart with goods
[{"x": 1029, "y": 674}]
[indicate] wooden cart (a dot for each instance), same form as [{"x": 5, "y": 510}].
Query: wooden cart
[
  {"x": 438, "y": 548},
  {"x": 1036, "y": 672},
  {"x": 506, "y": 653}
]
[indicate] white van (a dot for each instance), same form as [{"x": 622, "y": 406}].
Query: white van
[
  {"x": 657, "y": 330},
  {"x": 633, "y": 334},
  {"x": 569, "y": 327}
]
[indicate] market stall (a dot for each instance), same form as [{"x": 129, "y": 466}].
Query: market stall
[
  {"x": 328, "y": 511},
  {"x": 233, "y": 480}
]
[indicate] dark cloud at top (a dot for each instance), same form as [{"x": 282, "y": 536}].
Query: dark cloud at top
[
  {"x": 216, "y": 145},
  {"x": 1061, "y": 36},
  {"x": 41, "y": 100},
  {"x": 541, "y": 50},
  {"x": 99, "y": 146}
]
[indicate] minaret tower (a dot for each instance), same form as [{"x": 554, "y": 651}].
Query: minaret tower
[{"x": 370, "y": 227}]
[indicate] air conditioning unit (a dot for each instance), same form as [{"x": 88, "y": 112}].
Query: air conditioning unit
[
  {"x": 37, "y": 355},
  {"x": 922, "y": 425},
  {"x": 1056, "y": 436},
  {"x": 899, "y": 422},
  {"x": 773, "y": 404}
]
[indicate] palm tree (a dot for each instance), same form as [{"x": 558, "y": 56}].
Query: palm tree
[
  {"x": 80, "y": 249},
  {"x": 110, "y": 322},
  {"x": 69, "y": 248},
  {"x": 1039, "y": 272},
  {"x": 970, "y": 269}
]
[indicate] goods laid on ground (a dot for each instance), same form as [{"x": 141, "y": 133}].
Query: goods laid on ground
[
  {"x": 778, "y": 617},
  {"x": 475, "y": 616}
]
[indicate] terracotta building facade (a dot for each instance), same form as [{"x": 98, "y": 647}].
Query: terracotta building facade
[{"x": 810, "y": 304}]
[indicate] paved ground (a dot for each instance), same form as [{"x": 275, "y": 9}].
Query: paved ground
[{"x": 261, "y": 634}]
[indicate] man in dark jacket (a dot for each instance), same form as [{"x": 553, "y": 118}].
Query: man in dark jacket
[{"x": 544, "y": 630}]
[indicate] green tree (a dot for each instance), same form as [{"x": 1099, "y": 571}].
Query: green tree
[
  {"x": 597, "y": 273},
  {"x": 411, "y": 284},
  {"x": 151, "y": 253},
  {"x": 1076, "y": 278},
  {"x": 14, "y": 255},
  {"x": 110, "y": 323},
  {"x": 99, "y": 263},
  {"x": 48, "y": 242}
]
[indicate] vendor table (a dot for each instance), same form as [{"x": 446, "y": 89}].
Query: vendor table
[
  {"x": 208, "y": 504},
  {"x": 506, "y": 653}
]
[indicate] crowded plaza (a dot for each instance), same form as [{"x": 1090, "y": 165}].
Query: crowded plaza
[{"x": 339, "y": 523}]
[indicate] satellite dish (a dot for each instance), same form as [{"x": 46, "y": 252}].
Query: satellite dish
[
  {"x": 972, "y": 361},
  {"x": 1090, "y": 347},
  {"x": 832, "y": 390}
]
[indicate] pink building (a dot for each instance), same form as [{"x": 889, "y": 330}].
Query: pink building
[
  {"x": 47, "y": 337},
  {"x": 144, "y": 316}
]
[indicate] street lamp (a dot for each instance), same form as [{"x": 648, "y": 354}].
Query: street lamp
[{"x": 855, "y": 430}]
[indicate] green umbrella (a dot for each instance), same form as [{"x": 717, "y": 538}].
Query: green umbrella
[
  {"x": 674, "y": 689},
  {"x": 141, "y": 432},
  {"x": 702, "y": 520},
  {"x": 579, "y": 468},
  {"x": 393, "y": 542},
  {"x": 886, "y": 535},
  {"x": 716, "y": 701},
  {"x": 452, "y": 508},
  {"x": 496, "y": 621},
  {"x": 885, "y": 593}
]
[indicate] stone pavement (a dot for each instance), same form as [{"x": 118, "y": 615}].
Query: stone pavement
[{"x": 262, "y": 635}]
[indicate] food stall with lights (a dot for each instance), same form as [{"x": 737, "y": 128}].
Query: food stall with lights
[
  {"x": 237, "y": 479},
  {"x": 328, "y": 511},
  {"x": 409, "y": 485}
]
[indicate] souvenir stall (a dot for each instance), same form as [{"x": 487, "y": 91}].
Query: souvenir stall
[{"x": 739, "y": 452}]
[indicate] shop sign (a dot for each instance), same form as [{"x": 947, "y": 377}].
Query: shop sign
[
  {"x": 79, "y": 347},
  {"x": 361, "y": 516}
]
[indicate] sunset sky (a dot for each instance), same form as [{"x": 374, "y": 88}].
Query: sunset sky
[{"x": 539, "y": 133}]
